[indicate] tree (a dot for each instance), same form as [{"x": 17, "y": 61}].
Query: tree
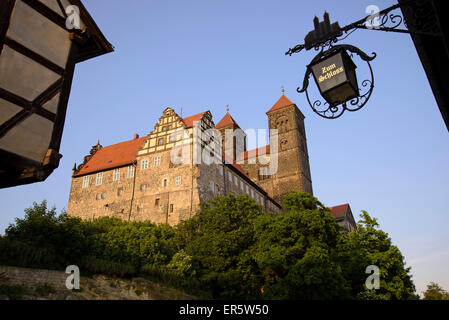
[
  {"x": 295, "y": 251},
  {"x": 369, "y": 245},
  {"x": 435, "y": 292}
]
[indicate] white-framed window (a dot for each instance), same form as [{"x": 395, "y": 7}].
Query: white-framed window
[
  {"x": 116, "y": 174},
  {"x": 252, "y": 193},
  {"x": 157, "y": 161},
  {"x": 230, "y": 176},
  {"x": 220, "y": 168},
  {"x": 131, "y": 170},
  {"x": 144, "y": 165},
  {"x": 212, "y": 186},
  {"x": 178, "y": 180},
  {"x": 247, "y": 189},
  {"x": 99, "y": 178},
  {"x": 241, "y": 185},
  {"x": 164, "y": 182},
  {"x": 86, "y": 181},
  {"x": 236, "y": 181}
]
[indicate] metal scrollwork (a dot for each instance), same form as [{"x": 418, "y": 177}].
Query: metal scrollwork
[{"x": 327, "y": 111}]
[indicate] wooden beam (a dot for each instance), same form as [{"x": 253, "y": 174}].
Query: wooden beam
[
  {"x": 34, "y": 56},
  {"x": 46, "y": 12},
  {"x": 5, "y": 16}
]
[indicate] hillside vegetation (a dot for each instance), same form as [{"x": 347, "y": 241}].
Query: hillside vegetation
[{"x": 230, "y": 249}]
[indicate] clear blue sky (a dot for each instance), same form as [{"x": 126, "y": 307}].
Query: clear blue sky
[{"x": 390, "y": 158}]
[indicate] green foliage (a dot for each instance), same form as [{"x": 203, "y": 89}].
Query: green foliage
[
  {"x": 44, "y": 289},
  {"x": 371, "y": 246},
  {"x": 435, "y": 292},
  {"x": 13, "y": 292},
  {"x": 230, "y": 249}
]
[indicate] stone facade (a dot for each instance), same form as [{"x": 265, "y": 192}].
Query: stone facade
[{"x": 162, "y": 177}]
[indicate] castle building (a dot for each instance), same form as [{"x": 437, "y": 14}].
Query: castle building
[{"x": 164, "y": 176}]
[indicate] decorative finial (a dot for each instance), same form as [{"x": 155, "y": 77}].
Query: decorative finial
[
  {"x": 227, "y": 108},
  {"x": 282, "y": 90}
]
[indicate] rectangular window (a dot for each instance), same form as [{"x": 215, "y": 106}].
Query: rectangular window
[
  {"x": 99, "y": 178},
  {"x": 247, "y": 189},
  {"x": 144, "y": 165},
  {"x": 252, "y": 193},
  {"x": 131, "y": 171},
  {"x": 241, "y": 185},
  {"x": 86, "y": 181},
  {"x": 236, "y": 181},
  {"x": 157, "y": 161},
  {"x": 156, "y": 202},
  {"x": 178, "y": 180},
  {"x": 171, "y": 207},
  {"x": 217, "y": 189},
  {"x": 120, "y": 192},
  {"x": 212, "y": 186},
  {"x": 230, "y": 176},
  {"x": 220, "y": 168},
  {"x": 143, "y": 187},
  {"x": 116, "y": 174},
  {"x": 164, "y": 183}
]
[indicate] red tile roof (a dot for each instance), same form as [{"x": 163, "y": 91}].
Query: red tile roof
[
  {"x": 116, "y": 155},
  {"x": 227, "y": 120},
  {"x": 339, "y": 211},
  {"x": 190, "y": 120},
  {"x": 228, "y": 160},
  {"x": 254, "y": 152},
  {"x": 281, "y": 103}
]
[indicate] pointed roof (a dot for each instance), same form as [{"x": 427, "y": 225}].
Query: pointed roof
[
  {"x": 226, "y": 121},
  {"x": 190, "y": 120},
  {"x": 281, "y": 103}
]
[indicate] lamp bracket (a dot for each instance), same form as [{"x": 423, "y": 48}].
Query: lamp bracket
[{"x": 325, "y": 33}]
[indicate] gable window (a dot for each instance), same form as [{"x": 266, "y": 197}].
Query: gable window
[
  {"x": 144, "y": 165},
  {"x": 157, "y": 161},
  {"x": 86, "y": 181},
  {"x": 131, "y": 171},
  {"x": 116, "y": 174},
  {"x": 99, "y": 178},
  {"x": 178, "y": 180}
]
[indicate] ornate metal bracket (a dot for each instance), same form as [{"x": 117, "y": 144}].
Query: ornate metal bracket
[
  {"x": 325, "y": 34},
  {"x": 335, "y": 111}
]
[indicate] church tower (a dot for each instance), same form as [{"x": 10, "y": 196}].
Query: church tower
[{"x": 293, "y": 160}]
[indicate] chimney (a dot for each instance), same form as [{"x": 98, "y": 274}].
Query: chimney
[{"x": 136, "y": 136}]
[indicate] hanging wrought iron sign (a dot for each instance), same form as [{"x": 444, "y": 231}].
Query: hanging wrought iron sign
[{"x": 334, "y": 70}]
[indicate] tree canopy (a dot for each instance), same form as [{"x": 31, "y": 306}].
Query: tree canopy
[{"x": 230, "y": 249}]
